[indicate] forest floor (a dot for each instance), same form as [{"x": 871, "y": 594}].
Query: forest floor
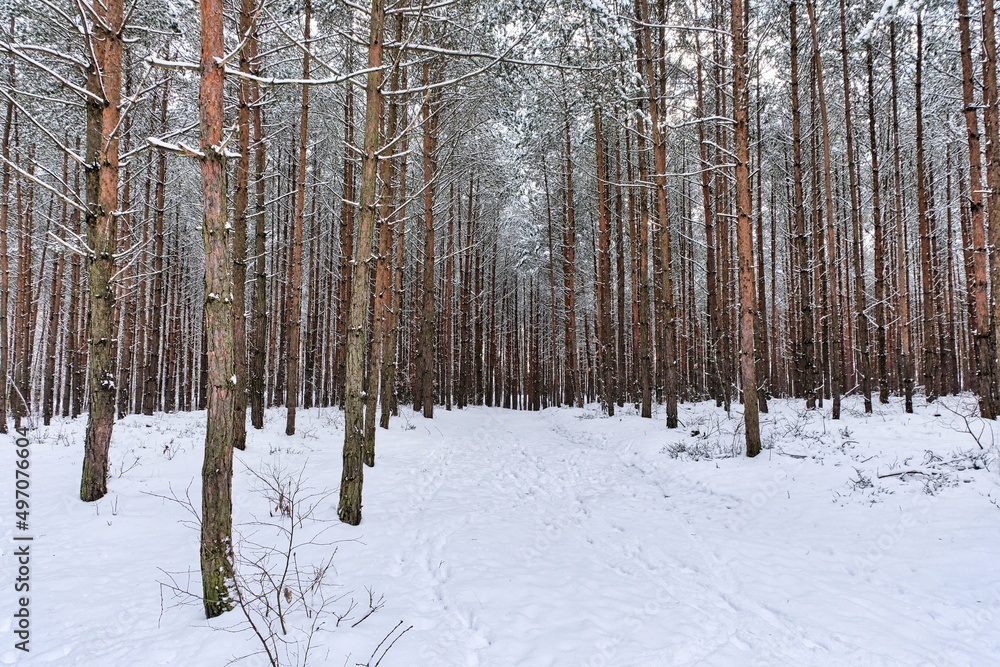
[{"x": 531, "y": 539}]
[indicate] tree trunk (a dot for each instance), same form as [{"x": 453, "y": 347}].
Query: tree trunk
[
  {"x": 644, "y": 360},
  {"x": 425, "y": 376},
  {"x": 104, "y": 83},
  {"x": 218, "y": 322},
  {"x": 55, "y": 307},
  {"x": 344, "y": 286},
  {"x": 835, "y": 353},
  {"x": 991, "y": 123},
  {"x": 4, "y": 254},
  {"x": 979, "y": 305},
  {"x": 240, "y": 204},
  {"x": 573, "y": 391},
  {"x": 667, "y": 323},
  {"x": 294, "y": 321},
  {"x": 152, "y": 370},
  {"x": 930, "y": 354},
  {"x": 381, "y": 317},
  {"x": 878, "y": 230},
  {"x": 352, "y": 478},
  {"x": 603, "y": 275},
  {"x": 621, "y": 382},
  {"x": 258, "y": 348},
  {"x": 857, "y": 257},
  {"x": 389, "y": 369},
  {"x": 744, "y": 229},
  {"x": 902, "y": 256}
]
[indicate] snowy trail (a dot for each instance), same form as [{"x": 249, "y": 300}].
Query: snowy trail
[
  {"x": 558, "y": 538},
  {"x": 550, "y": 544}
]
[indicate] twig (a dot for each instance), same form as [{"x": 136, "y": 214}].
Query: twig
[
  {"x": 908, "y": 472},
  {"x": 393, "y": 642},
  {"x": 373, "y": 606},
  {"x": 382, "y": 642}
]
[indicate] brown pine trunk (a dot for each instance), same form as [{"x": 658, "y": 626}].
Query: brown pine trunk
[
  {"x": 414, "y": 358},
  {"x": 573, "y": 393},
  {"x": 80, "y": 346},
  {"x": 381, "y": 317},
  {"x": 835, "y": 352},
  {"x": 978, "y": 297},
  {"x": 258, "y": 346},
  {"x": 202, "y": 365},
  {"x": 603, "y": 276},
  {"x": 744, "y": 229},
  {"x": 621, "y": 376},
  {"x": 171, "y": 344},
  {"x": 55, "y": 333},
  {"x": 4, "y": 256},
  {"x": 158, "y": 301},
  {"x": 141, "y": 297},
  {"x": 902, "y": 255},
  {"x": 310, "y": 381},
  {"x": 294, "y": 321},
  {"x": 711, "y": 275},
  {"x": 142, "y": 325},
  {"x": 425, "y": 355},
  {"x": 393, "y": 322},
  {"x": 55, "y": 307},
  {"x": 71, "y": 394},
  {"x": 344, "y": 287},
  {"x": 667, "y": 323},
  {"x": 477, "y": 310},
  {"x": 949, "y": 360},
  {"x": 644, "y": 360},
  {"x": 240, "y": 201},
  {"x": 126, "y": 284},
  {"x": 272, "y": 371},
  {"x": 778, "y": 360},
  {"x": 878, "y": 230},
  {"x": 352, "y": 478},
  {"x": 218, "y": 323},
  {"x": 104, "y": 82},
  {"x": 930, "y": 353},
  {"x": 20, "y": 391},
  {"x": 447, "y": 345},
  {"x": 991, "y": 123},
  {"x": 761, "y": 343},
  {"x": 722, "y": 215},
  {"x": 553, "y": 318},
  {"x": 857, "y": 257}
]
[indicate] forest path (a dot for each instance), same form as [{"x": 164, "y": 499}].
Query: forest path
[{"x": 547, "y": 543}]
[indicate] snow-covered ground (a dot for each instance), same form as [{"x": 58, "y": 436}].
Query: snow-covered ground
[{"x": 533, "y": 539}]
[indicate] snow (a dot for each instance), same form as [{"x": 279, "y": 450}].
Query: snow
[{"x": 535, "y": 539}]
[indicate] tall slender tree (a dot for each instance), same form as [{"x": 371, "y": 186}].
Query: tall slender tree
[
  {"x": 979, "y": 305},
  {"x": 835, "y": 356},
  {"x": 352, "y": 477},
  {"x": 104, "y": 84},
  {"x": 744, "y": 228},
  {"x": 217, "y": 469}
]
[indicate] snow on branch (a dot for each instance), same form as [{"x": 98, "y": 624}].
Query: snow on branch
[
  {"x": 65, "y": 149},
  {"x": 14, "y": 51},
  {"x": 86, "y": 252},
  {"x": 179, "y": 148},
  {"x": 264, "y": 80},
  {"x": 42, "y": 184}
]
